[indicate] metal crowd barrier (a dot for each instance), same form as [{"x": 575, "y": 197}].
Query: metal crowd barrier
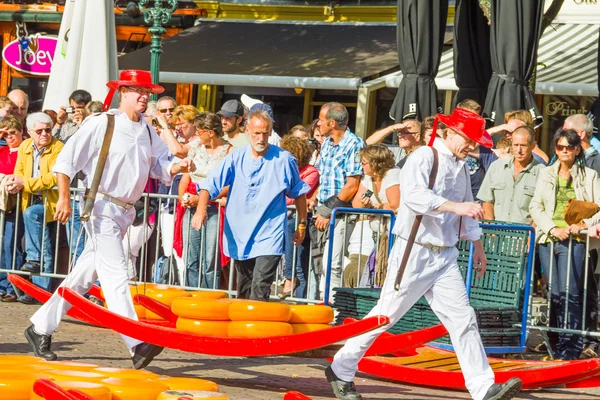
[
  {"x": 544, "y": 323},
  {"x": 347, "y": 211},
  {"x": 178, "y": 267}
]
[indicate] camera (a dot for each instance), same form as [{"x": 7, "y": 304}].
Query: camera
[
  {"x": 367, "y": 193},
  {"x": 70, "y": 110},
  {"x": 154, "y": 122}
]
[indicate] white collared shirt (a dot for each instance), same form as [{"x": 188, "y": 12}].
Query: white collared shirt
[
  {"x": 132, "y": 156},
  {"x": 452, "y": 184}
]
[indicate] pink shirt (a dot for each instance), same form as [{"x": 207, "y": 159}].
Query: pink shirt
[{"x": 310, "y": 175}]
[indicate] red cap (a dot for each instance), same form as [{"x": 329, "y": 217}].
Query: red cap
[{"x": 467, "y": 123}]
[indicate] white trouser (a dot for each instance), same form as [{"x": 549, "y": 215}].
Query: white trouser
[
  {"x": 341, "y": 236},
  {"x": 167, "y": 229},
  {"x": 435, "y": 275},
  {"x": 103, "y": 259},
  {"x": 135, "y": 237}
]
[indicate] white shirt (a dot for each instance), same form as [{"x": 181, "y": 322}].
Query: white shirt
[
  {"x": 452, "y": 183},
  {"x": 132, "y": 157},
  {"x": 391, "y": 178}
]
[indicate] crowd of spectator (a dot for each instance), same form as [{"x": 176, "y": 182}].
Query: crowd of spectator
[{"x": 516, "y": 182}]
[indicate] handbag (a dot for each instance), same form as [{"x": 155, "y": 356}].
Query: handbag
[{"x": 578, "y": 210}]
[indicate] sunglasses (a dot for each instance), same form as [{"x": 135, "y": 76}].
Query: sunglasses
[
  {"x": 165, "y": 110},
  {"x": 40, "y": 131},
  {"x": 560, "y": 147}
]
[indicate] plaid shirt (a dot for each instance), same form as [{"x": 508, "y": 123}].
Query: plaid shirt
[{"x": 337, "y": 162}]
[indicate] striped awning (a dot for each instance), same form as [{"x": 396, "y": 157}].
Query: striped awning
[{"x": 569, "y": 53}]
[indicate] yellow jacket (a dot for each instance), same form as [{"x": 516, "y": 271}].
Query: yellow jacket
[{"x": 46, "y": 181}]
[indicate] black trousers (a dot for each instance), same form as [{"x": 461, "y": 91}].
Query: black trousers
[{"x": 255, "y": 277}]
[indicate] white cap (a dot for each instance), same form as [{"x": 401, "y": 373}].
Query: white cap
[{"x": 248, "y": 101}]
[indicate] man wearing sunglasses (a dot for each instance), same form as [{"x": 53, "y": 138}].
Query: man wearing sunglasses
[
  {"x": 136, "y": 154},
  {"x": 165, "y": 107},
  {"x": 34, "y": 178}
]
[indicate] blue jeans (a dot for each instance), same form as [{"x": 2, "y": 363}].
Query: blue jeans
[
  {"x": 302, "y": 260},
  {"x": 569, "y": 346},
  {"x": 75, "y": 223},
  {"x": 202, "y": 245},
  {"x": 8, "y": 241},
  {"x": 33, "y": 220}
]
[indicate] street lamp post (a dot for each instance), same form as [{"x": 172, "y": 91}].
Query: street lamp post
[{"x": 157, "y": 16}]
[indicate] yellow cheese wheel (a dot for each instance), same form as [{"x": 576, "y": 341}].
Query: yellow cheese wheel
[
  {"x": 96, "y": 390},
  {"x": 31, "y": 368},
  {"x": 165, "y": 294},
  {"x": 259, "y": 329},
  {"x": 203, "y": 309},
  {"x": 259, "y": 311},
  {"x": 176, "y": 383},
  {"x": 140, "y": 311},
  {"x": 191, "y": 394},
  {"x": 134, "y": 389},
  {"x": 205, "y": 328},
  {"x": 66, "y": 365},
  {"x": 77, "y": 376},
  {"x": 209, "y": 294},
  {"x": 9, "y": 359},
  {"x": 305, "y": 314},
  {"x": 17, "y": 386},
  {"x": 302, "y": 328},
  {"x": 126, "y": 373}
]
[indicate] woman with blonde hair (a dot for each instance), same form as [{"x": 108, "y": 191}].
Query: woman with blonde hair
[{"x": 184, "y": 131}]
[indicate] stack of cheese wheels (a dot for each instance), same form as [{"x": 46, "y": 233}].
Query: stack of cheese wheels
[
  {"x": 207, "y": 317},
  {"x": 97, "y": 391},
  {"x": 17, "y": 385},
  {"x": 232, "y": 317},
  {"x": 307, "y": 318},
  {"x": 176, "y": 383},
  {"x": 191, "y": 395},
  {"x": 134, "y": 389},
  {"x": 19, "y": 373},
  {"x": 166, "y": 295},
  {"x": 125, "y": 373},
  {"x": 257, "y": 319}
]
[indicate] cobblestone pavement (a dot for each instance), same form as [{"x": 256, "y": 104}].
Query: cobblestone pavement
[{"x": 240, "y": 378}]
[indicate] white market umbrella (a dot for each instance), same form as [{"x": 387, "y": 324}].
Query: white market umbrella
[{"x": 86, "y": 52}]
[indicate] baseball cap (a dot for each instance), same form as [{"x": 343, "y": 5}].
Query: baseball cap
[
  {"x": 231, "y": 108},
  {"x": 263, "y": 107},
  {"x": 248, "y": 101}
]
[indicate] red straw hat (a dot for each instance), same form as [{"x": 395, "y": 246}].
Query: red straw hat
[
  {"x": 467, "y": 123},
  {"x": 134, "y": 78}
]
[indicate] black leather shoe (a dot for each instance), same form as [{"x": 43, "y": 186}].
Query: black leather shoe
[
  {"x": 40, "y": 344},
  {"x": 31, "y": 266},
  {"x": 343, "y": 390},
  {"x": 505, "y": 391},
  {"x": 144, "y": 353}
]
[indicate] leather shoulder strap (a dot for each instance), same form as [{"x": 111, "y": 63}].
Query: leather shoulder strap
[
  {"x": 417, "y": 222},
  {"x": 90, "y": 195}
]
